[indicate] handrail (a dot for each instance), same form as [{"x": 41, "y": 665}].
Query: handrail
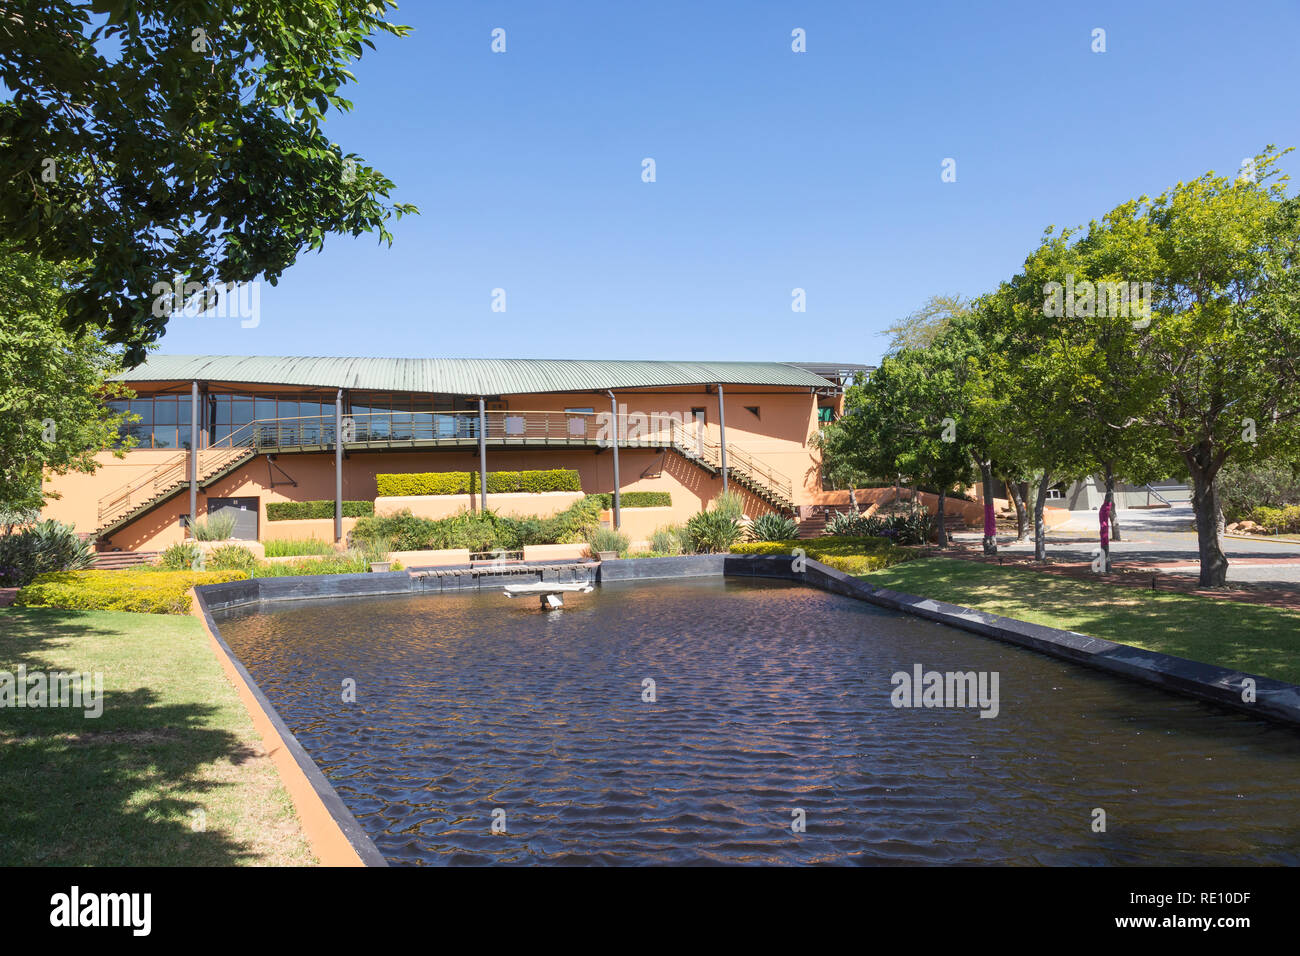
[
  {"x": 165, "y": 475},
  {"x": 388, "y": 427}
]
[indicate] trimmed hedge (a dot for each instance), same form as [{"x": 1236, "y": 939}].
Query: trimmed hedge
[
  {"x": 296, "y": 510},
  {"x": 850, "y": 555},
  {"x": 637, "y": 499},
  {"x": 140, "y": 590},
  {"x": 466, "y": 482}
]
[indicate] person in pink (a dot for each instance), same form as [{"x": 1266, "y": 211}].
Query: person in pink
[{"x": 1104, "y": 517}]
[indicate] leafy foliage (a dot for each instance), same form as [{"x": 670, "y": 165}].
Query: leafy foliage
[
  {"x": 44, "y": 547},
  {"x": 773, "y": 527},
  {"x": 466, "y": 482},
  {"x": 850, "y": 555},
  {"x": 139, "y": 590},
  {"x": 710, "y": 532},
  {"x": 298, "y": 510},
  {"x": 217, "y": 527},
  {"x": 182, "y": 556},
  {"x": 186, "y": 140},
  {"x": 607, "y": 539},
  {"x": 53, "y": 385}
]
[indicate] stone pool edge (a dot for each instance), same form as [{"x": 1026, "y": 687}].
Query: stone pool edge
[
  {"x": 335, "y": 835},
  {"x": 1274, "y": 699}
]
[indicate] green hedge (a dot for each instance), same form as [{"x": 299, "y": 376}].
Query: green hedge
[
  {"x": 466, "y": 482},
  {"x": 295, "y": 510},
  {"x": 850, "y": 555},
  {"x": 637, "y": 499},
  {"x": 141, "y": 590}
]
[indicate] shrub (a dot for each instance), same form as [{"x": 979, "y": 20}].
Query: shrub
[
  {"x": 850, "y": 555},
  {"x": 44, "y": 547},
  {"x": 139, "y": 590},
  {"x": 712, "y": 531},
  {"x": 481, "y": 532},
  {"x": 353, "y": 561},
  {"x": 182, "y": 556},
  {"x": 466, "y": 482},
  {"x": 607, "y": 539},
  {"x": 231, "y": 557},
  {"x": 637, "y": 499},
  {"x": 773, "y": 527},
  {"x": 217, "y": 527},
  {"x": 1284, "y": 520},
  {"x": 292, "y": 547},
  {"x": 298, "y": 510},
  {"x": 668, "y": 540},
  {"x": 731, "y": 504},
  {"x": 901, "y": 528}
]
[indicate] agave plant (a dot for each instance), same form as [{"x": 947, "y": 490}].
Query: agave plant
[
  {"x": 773, "y": 527},
  {"x": 712, "y": 531},
  {"x": 45, "y": 546}
]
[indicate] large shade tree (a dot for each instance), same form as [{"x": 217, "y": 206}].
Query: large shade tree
[
  {"x": 146, "y": 140},
  {"x": 53, "y": 385}
]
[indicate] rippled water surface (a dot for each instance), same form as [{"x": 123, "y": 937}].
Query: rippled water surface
[{"x": 771, "y": 698}]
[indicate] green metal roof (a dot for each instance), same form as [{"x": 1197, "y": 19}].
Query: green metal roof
[{"x": 465, "y": 376}]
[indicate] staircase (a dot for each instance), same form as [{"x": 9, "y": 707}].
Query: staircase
[
  {"x": 814, "y": 526},
  {"x": 116, "y": 560},
  {"x": 120, "y": 507},
  {"x": 742, "y": 468}
]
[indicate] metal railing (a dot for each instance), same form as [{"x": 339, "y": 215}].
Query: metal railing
[
  {"x": 165, "y": 476},
  {"x": 387, "y": 429}
]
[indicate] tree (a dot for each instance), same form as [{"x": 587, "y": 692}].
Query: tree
[
  {"x": 902, "y": 421},
  {"x": 919, "y": 329},
  {"x": 52, "y": 384},
  {"x": 152, "y": 140},
  {"x": 1220, "y": 359}
]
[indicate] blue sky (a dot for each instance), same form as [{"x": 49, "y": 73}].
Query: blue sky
[{"x": 775, "y": 170}]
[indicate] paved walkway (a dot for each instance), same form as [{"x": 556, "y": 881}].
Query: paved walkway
[{"x": 1162, "y": 541}]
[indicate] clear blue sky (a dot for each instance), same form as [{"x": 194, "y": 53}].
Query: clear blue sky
[{"x": 775, "y": 170}]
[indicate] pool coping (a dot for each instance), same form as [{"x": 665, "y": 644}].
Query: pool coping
[
  {"x": 1274, "y": 699},
  {"x": 335, "y": 835},
  {"x": 340, "y": 840}
]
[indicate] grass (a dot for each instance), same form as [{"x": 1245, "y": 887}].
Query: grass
[
  {"x": 292, "y": 548},
  {"x": 1250, "y": 637},
  {"x": 121, "y": 789}
]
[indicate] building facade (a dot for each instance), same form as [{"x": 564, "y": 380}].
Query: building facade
[{"x": 233, "y": 434}]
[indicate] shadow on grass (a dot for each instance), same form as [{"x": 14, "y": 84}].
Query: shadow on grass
[{"x": 119, "y": 789}]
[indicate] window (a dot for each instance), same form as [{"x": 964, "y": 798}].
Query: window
[{"x": 753, "y": 410}]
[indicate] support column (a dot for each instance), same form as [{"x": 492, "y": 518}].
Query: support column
[
  {"x": 194, "y": 455},
  {"x": 482, "y": 455},
  {"x": 722, "y": 435},
  {"x": 338, "y": 466},
  {"x": 618, "y": 511}
]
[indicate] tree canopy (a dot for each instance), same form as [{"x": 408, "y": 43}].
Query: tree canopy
[{"x": 146, "y": 140}]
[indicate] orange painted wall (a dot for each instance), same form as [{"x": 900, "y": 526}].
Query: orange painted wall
[{"x": 778, "y": 437}]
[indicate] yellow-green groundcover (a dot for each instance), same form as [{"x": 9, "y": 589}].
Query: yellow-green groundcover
[
  {"x": 850, "y": 555},
  {"x": 139, "y": 590}
]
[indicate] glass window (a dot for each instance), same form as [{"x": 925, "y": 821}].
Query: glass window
[
  {"x": 144, "y": 408},
  {"x": 265, "y": 408},
  {"x": 241, "y": 410}
]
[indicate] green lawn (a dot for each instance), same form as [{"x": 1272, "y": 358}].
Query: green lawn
[
  {"x": 1260, "y": 640},
  {"x": 121, "y": 788}
]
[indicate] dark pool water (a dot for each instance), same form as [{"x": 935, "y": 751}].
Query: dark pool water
[{"x": 771, "y": 698}]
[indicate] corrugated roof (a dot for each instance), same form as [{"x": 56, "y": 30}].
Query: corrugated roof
[{"x": 464, "y": 376}]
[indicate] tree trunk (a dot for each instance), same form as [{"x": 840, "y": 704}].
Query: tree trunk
[
  {"x": 898, "y": 491},
  {"x": 990, "y": 519},
  {"x": 1205, "y": 502},
  {"x": 1022, "y": 514},
  {"x": 940, "y": 530},
  {"x": 1040, "y": 531},
  {"x": 853, "y": 500},
  {"x": 1110, "y": 500}
]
